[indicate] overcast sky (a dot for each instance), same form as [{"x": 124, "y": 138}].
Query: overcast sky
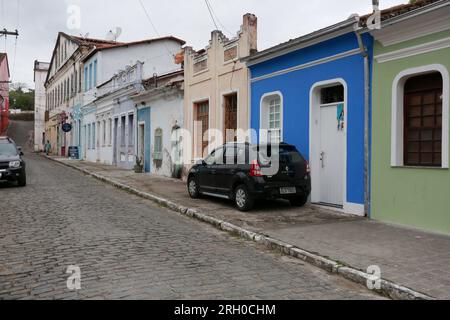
[{"x": 39, "y": 21}]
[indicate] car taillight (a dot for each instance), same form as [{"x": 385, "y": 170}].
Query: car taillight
[
  {"x": 255, "y": 169},
  {"x": 307, "y": 167}
]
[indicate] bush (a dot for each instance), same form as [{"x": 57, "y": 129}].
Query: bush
[{"x": 22, "y": 117}]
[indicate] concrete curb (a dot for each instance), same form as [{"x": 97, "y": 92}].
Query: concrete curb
[{"x": 387, "y": 288}]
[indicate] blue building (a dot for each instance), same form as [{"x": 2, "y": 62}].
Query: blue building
[{"x": 313, "y": 92}]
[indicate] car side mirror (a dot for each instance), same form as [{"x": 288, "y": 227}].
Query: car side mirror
[
  {"x": 201, "y": 163},
  {"x": 20, "y": 151}
]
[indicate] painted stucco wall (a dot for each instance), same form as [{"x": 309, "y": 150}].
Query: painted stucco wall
[
  {"x": 219, "y": 79},
  {"x": 417, "y": 197},
  {"x": 40, "y": 74},
  {"x": 166, "y": 112},
  {"x": 295, "y": 88}
]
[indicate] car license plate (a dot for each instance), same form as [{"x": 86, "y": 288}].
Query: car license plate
[{"x": 288, "y": 190}]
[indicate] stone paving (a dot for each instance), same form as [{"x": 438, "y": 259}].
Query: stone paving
[
  {"x": 415, "y": 259},
  {"x": 128, "y": 248}
]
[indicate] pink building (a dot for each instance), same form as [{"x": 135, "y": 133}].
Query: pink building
[{"x": 4, "y": 92}]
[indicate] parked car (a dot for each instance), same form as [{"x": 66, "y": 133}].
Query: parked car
[
  {"x": 12, "y": 165},
  {"x": 223, "y": 174}
]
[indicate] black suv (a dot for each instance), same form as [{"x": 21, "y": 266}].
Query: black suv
[
  {"x": 12, "y": 166},
  {"x": 245, "y": 172}
]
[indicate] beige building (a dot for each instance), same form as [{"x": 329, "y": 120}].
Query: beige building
[{"x": 217, "y": 88}]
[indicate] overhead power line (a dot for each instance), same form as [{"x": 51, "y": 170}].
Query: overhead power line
[
  {"x": 172, "y": 55},
  {"x": 211, "y": 14}
]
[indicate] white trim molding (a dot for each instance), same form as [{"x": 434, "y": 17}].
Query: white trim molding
[
  {"x": 397, "y": 132},
  {"x": 265, "y": 126},
  {"x": 309, "y": 64},
  {"x": 413, "y": 51}
]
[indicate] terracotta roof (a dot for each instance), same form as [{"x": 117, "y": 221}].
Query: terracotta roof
[
  {"x": 112, "y": 45},
  {"x": 399, "y": 10}
]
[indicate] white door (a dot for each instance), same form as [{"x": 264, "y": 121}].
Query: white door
[{"x": 332, "y": 155}]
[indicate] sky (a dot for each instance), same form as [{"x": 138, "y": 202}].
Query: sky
[{"x": 39, "y": 21}]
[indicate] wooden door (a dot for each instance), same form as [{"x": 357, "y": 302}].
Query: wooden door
[
  {"x": 203, "y": 117},
  {"x": 231, "y": 109}
]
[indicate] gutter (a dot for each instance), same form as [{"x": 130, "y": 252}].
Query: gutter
[{"x": 365, "y": 54}]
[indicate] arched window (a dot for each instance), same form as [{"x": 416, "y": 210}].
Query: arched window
[
  {"x": 420, "y": 117},
  {"x": 423, "y": 120},
  {"x": 158, "y": 149},
  {"x": 272, "y": 117}
]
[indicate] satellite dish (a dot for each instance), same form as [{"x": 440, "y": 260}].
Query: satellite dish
[{"x": 114, "y": 35}]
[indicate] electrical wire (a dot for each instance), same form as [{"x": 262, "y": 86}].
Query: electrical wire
[
  {"x": 211, "y": 14},
  {"x": 149, "y": 18},
  {"x": 217, "y": 18}
]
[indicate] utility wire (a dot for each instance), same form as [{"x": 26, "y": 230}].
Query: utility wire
[
  {"x": 217, "y": 18},
  {"x": 172, "y": 55},
  {"x": 211, "y": 14}
]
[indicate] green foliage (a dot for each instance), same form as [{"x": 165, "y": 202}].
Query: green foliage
[{"x": 21, "y": 98}]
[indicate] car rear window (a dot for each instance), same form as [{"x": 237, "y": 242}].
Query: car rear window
[
  {"x": 8, "y": 149},
  {"x": 287, "y": 155}
]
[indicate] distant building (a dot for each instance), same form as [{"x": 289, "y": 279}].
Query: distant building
[
  {"x": 63, "y": 87},
  {"x": 4, "y": 92},
  {"x": 112, "y": 74},
  {"x": 40, "y": 74},
  {"x": 159, "y": 120}
]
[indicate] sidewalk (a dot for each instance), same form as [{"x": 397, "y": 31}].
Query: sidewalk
[{"x": 413, "y": 259}]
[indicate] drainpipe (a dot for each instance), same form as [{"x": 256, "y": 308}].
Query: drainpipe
[{"x": 365, "y": 55}]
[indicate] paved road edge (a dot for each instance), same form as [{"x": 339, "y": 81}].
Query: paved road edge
[{"x": 387, "y": 288}]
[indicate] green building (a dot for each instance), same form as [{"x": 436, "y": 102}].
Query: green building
[{"x": 410, "y": 181}]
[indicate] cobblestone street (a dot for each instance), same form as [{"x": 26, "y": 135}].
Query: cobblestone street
[{"x": 128, "y": 248}]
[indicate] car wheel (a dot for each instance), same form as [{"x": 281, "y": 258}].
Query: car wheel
[
  {"x": 299, "y": 201},
  {"x": 22, "y": 181},
  {"x": 193, "y": 189},
  {"x": 244, "y": 201}
]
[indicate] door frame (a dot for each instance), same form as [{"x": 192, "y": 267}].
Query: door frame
[
  {"x": 224, "y": 94},
  {"x": 314, "y": 137}
]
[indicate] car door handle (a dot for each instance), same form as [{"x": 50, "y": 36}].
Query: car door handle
[{"x": 213, "y": 172}]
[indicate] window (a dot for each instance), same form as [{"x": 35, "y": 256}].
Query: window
[
  {"x": 110, "y": 131},
  {"x": 95, "y": 73},
  {"x": 89, "y": 136},
  {"x": 202, "y": 118},
  {"x": 90, "y": 77},
  {"x": 216, "y": 157},
  {"x": 122, "y": 131},
  {"x": 272, "y": 118},
  {"x": 130, "y": 130},
  {"x": 230, "y": 54},
  {"x": 158, "y": 152},
  {"x": 332, "y": 94},
  {"x": 93, "y": 136},
  {"x": 420, "y": 117},
  {"x": 200, "y": 65},
  {"x": 86, "y": 82},
  {"x": 423, "y": 120}
]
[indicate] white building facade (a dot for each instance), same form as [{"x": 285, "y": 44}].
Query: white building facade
[
  {"x": 111, "y": 76},
  {"x": 40, "y": 74}
]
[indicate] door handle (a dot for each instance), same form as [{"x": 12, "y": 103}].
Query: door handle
[
  {"x": 214, "y": 172},
  {"x": 322, "y": 159}
]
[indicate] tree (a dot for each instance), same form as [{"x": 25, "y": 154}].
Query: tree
[{"x": 20, "y": 97}]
